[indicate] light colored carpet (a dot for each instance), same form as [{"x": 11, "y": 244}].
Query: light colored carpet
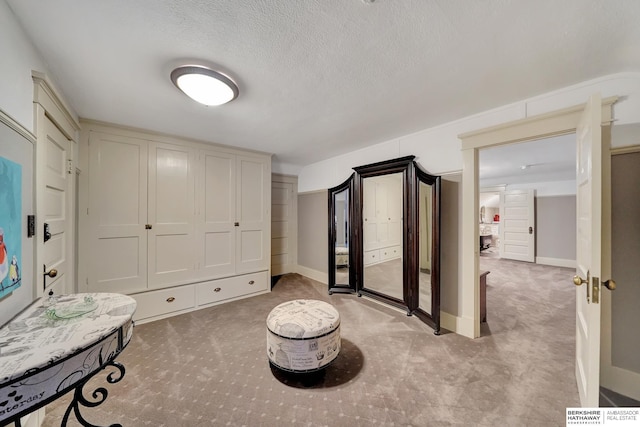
[{"x": 210, "y": 368}]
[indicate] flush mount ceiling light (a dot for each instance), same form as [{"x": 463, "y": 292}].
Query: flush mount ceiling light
[{"x": 204, "y": 85}]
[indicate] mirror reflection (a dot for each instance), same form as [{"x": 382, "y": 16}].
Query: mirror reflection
[
  {"x": 384, "y": 237},
  {"x": 425, "y": 218},
  {"x": 382, "y": 200},
  {"x": 341, "y": 224}
]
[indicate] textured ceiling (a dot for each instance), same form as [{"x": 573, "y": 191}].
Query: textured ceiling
[
  {"x": 545, "y": 160},
  {"x": 319, "y": 78}
]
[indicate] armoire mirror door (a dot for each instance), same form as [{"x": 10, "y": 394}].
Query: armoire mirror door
[
  {"x": 381, "y": 254},
  {"x": 382, "y": 200},
  {"x": 341, "y": 272},
  {"x": 427, "y": 267},
  {"x": 384, "y": 237}
]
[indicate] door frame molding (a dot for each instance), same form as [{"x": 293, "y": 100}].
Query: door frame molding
[
  {"x": 45, "y": 95},
  {"x": 49, "y": 105},
  {"x": 554, "y": 123},
  {"x": 293, "y": 180}
]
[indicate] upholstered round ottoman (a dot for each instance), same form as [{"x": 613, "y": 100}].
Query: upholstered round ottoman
[{"x": 303, "y": 335}]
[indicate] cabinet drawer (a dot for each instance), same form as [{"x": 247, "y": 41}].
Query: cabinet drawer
[
  {"x": 391, "y": 252},
  {"x": 156, "y": 303},
  {"x": 371, "y": 257},
  {"x": 231, "y": 287}
]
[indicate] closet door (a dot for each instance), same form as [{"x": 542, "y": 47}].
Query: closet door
[
  {"x": 117, "y": 213},
  {"x": 253, "y": 236},
  {"x": 370, "y": 216},
  {"x": 172, "y": 243},
  {"x": 218, "y": 211},
  {"x": 394, "y": 211},
  {"x": 382, "y": 211}
]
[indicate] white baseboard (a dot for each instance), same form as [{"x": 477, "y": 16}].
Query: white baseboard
[
  {"x": 556, "y": 262},
  {"x": 319, "y": 276},
  {"x": 459, "y": 325},
  {"x": 622, "y": 381}
]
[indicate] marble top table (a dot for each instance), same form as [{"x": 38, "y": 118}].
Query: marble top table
[{"x": 56, "y": 345}]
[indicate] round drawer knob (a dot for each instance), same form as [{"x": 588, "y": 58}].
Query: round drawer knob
[
  {"x": 217, "y": 289},
  {"x": 251, "y": 282},
  {"x": 171, "y": 299}
]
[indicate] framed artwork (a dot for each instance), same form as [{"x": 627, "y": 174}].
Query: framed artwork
[{"x": 10, "y": 226}]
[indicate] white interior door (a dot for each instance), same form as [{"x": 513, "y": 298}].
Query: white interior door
[
  {"x": 53, "y": 164},
  {"x": 282, "y": 231},
  {"x": 589, "y": 181},
  {"x": 517, "y": 233}
]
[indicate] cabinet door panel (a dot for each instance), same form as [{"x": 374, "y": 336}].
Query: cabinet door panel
[
  {"x": 117, "y": 213},
  {"x": 117, "y": 270},
  {"x": 219, "y": 189},
  {"x": 251, "y": 247},
  {"x": 218, "y": 258},
  {"x": 252, "y": 177},
  {"x": 382, "y": 201},
  {"x": 172, "y": 240},
  {"x": 383, "y": 233},
  {"x": 253, "y": 233},
  {"x": 370, "y": 224},
  {"x": 218, "y": 201}
]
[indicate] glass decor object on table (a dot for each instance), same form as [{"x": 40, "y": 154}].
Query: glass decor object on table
[{"x": 69, "y": 311}]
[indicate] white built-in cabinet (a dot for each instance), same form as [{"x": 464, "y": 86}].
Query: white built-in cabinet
[
  {"x": 177, "y": 224},
  {"x": 382, "y": 218}
]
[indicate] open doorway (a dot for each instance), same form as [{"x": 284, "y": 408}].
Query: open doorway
[
  {"x": 592, "y": 120},
  {"x": 544, "y": 168},
  {"x": 489, "y": 227},
  {"x": 542, "y": 229}
]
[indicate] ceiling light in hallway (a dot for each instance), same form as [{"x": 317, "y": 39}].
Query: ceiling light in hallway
[{"x": 204, "y": 85}]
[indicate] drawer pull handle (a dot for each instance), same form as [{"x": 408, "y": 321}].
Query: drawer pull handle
[
  {"x": 251, "y": 282},
  {"x": 217, "y": 289},
  {"x": 171, "y": 299}
]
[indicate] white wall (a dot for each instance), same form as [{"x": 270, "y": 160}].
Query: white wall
[
  {"x": 547, "y": 189},
  {"x": 19, "y": 58},
  {"x": 556, "y": 230},
  {"x": 438, "y": 149}
]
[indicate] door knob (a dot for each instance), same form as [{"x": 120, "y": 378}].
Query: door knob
[
  {"x": 51, "y": 273},
  {"x": 577, "y": 280},
  {"x": 610, "y": 284}
]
